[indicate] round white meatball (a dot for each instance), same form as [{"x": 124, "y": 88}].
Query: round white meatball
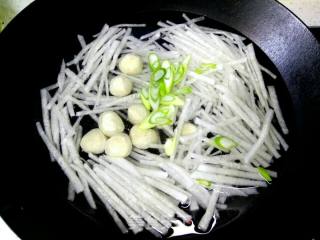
[
  {"x": 118, "y": 146},
  {"x": 110, "y": 123},
  {"x": 188, "y": 129},
  {"x": 131, "y": 64},
  {"x": 137, "y": 113},
  {"x": 120, "y": 86},
  {"x": 93, "y": 141},
  {"x": 142, "y": 138}
]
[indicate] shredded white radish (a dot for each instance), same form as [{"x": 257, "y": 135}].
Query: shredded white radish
[
  {"x": 223, "y": 179},
  {"x": 62, "y": 162},
  {"x": 207, "y": 217},
  {"x": 223, "y": 96},
  {"x": 262, "y": 137},
  {"x": 276, "y": 107}
]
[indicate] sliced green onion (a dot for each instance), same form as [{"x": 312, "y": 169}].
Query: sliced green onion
[
  {"x": 165, "y": 64},
  {"x": 223, "y": 143},
  {"x": 154, "y": 95},
  {"x": 156, "y": 118},
  {"x": 170, "y": 146},
  {"x": 209, "y": 65},
  {"x": 168, "y": 80},
  {"x": 145, "y": 92},
  {"x": 154, "y": 61},
  {"x": 169, "y": 111},
  {"x": 158, "y": 75},
  {"x": 154, "y": 91},
  {"x": 179, "y": 74},
  {"x": 198, "y": 71},
  {"x": 182, "y": 70},
  {"x": 171, "y": 99},
  {"x": 204, "y": 183},
  {"x": 264, "y": 174},
  {"x": 154, "y": 104},
  {"x": 183, "y": 91},
  {"x": 186, "y": 61},
  {"x": 146, "y": 124},
  {"x": 144, "y": 96},
  {"x": 159, "y": 97},
  {"x": 162, "y": 89},
  {"x": 168, "y": 77},
  {"x": 168, "y": 98},
  {"x": 205, "y": 67},
  {"x": 145, "y": 102}
]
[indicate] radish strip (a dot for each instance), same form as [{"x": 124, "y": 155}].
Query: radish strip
[
  {"x": 275, "y": 105},
  {"x": 63, "y": 164},
  {"x": 262, "y": 137},
  {"x": 207, "y": 217}
]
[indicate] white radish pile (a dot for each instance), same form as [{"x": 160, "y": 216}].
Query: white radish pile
[{"x": 220, "y": 140}]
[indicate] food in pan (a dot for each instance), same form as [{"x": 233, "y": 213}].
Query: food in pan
[{"x": 164, "y": 125}]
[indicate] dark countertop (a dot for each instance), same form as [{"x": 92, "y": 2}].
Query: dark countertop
[{"x": 316, "y": 32}]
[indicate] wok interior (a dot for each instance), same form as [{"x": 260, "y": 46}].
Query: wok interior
[{"x": 237, "y": 206}]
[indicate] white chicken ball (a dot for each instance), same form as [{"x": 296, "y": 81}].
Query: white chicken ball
[
  {"x": 93, "y": 141},
  {"x": 110, "y": 123},
  {"x": 188, "y": 129},
  {"x": 137, "y": 113},
  {"x": 131, "y": 64},
  {"x": 118, "y": 146},
  {"x": 120, "y": 86},
  {"x": 142, "y": 138}
]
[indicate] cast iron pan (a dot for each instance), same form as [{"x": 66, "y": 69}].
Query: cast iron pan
[{"x": 33, "y": 190}]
